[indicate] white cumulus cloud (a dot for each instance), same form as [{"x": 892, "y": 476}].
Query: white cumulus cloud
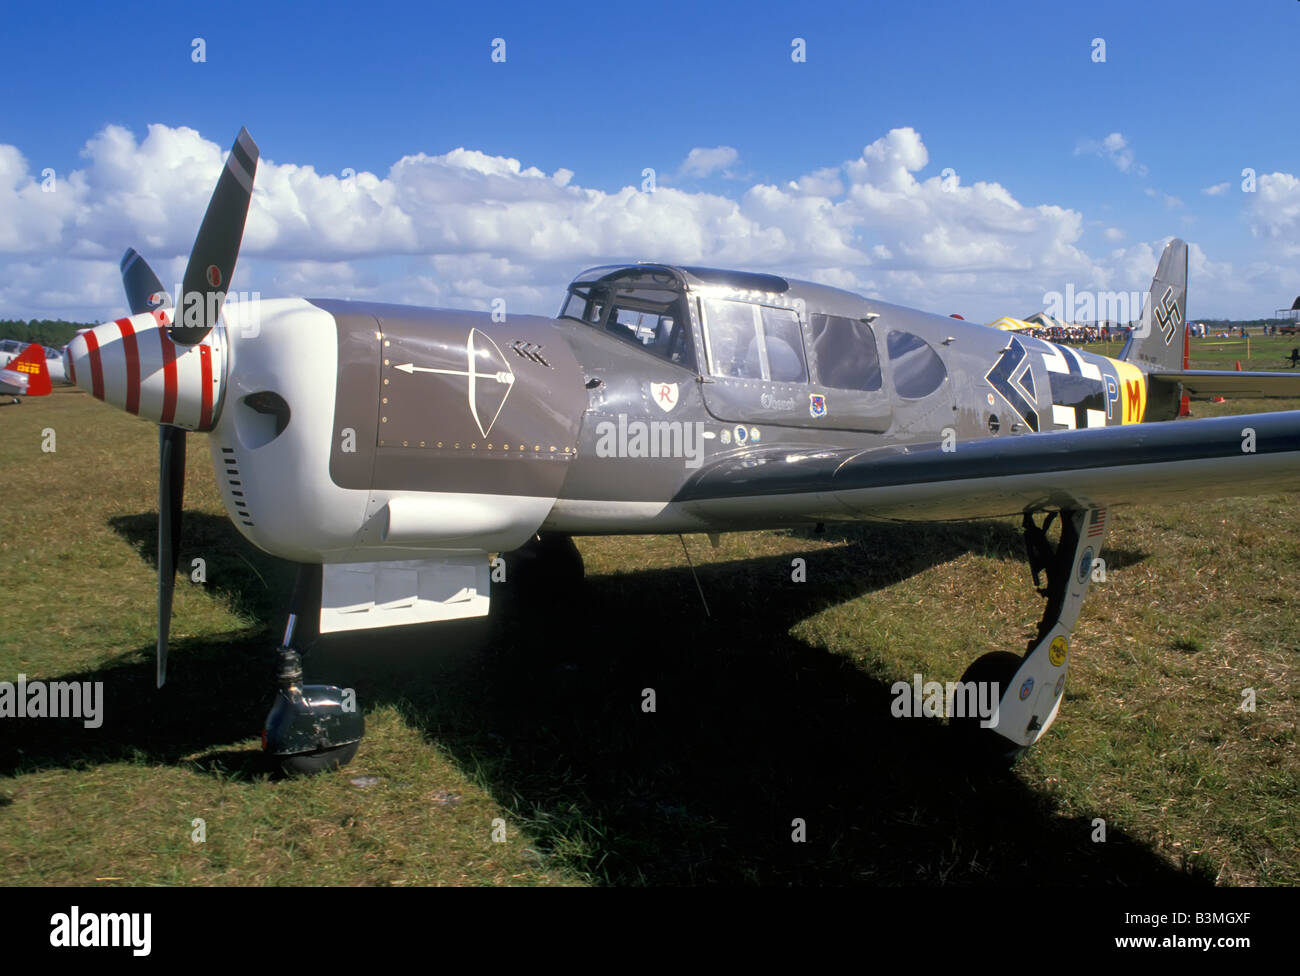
[
  {"x": 1115, "y": 148},
  {"x": 701, "y": 162},
  {"x": 463, "y": 228}
]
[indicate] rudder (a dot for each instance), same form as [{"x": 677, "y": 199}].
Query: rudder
[
  {"x": 29, "y": 372},
  {"x": 1156, "y": 345}
]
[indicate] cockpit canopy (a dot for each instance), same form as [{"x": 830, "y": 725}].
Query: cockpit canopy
[
  {"x": 14, "y": 346},
  {"x": 644, "y": 305},
  {"x": 759, "y": 329}
]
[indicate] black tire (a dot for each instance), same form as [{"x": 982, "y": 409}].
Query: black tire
[
  {"x": 985, "y": 746},
  {"x": 559, "y": 556},
  {"x": 546, "y": 570},
  {"x": 323, "y": 761}
]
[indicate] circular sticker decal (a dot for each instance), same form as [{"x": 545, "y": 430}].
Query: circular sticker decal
[
  {"x": 1057, "y": 652},
  {"x": 725, "y": 436},
  {"x": 741, "y": 434},
  {"x": 1060, "y": 686},
  {"x": 1026, "y": 688},
  {"x": 1085, "y": 564}
]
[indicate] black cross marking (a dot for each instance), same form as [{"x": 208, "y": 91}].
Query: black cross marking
[
  {"x": 1018, "y": 392},
  {"x": 1075, "y": 390}
]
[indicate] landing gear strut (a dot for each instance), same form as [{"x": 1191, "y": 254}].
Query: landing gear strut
[
  {"x": 1029, "y": 688},
  {"x": 310, "y": 728}
]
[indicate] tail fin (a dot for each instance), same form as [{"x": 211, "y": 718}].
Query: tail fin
[
  {"x": 27, "y": 372},
  {"x": 1156, "y": 345}
]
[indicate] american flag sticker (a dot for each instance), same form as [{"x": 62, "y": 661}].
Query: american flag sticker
[{"x": 1096, "y": 522}]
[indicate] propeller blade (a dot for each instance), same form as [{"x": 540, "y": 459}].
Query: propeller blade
[
  {"x": 211, "y": 265},
  {"x": 171, "y": 491},
  {"x": 212, "y": 261},
  {"x": 144, "y": 292}
]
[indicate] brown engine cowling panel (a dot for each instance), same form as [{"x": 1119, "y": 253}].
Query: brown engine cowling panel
[
  {"x": 352, "y": 456},
  {"x": 461, "y": 403}
]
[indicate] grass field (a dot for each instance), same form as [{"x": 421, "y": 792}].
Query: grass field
[{"x": 775, "y": 706}]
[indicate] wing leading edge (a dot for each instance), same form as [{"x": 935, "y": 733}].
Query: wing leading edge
[
  {"x": 1254, "y": 454},
  {"x": 1204, "y": 383}
]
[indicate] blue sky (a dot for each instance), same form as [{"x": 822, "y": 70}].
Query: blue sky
[{"x": 1006, "y": 94}]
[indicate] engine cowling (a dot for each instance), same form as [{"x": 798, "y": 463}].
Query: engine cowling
[{"x": 354, "y": 432}]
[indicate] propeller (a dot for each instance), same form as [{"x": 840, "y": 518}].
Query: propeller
[
  {"x": 171, "y": 491},
  {"x": 212, "y": 260},
  {"x": 144, "y": 293},
  {"x": 211, "y": 265}
]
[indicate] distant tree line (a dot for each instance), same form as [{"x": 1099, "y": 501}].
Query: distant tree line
[
  {"x": 47, "y": 332},
  {"x": 1231, "y": 324}
]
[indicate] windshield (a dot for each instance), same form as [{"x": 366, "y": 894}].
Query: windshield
[{"x": 643, "y": 307}]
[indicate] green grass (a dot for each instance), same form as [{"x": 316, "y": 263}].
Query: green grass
[
  {"x": 773, "y": 707},
  {"x": 1255, "y": 352}
]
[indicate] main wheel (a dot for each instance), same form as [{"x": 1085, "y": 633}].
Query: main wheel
[
  {"x": 323, "y": 761},
  {"x": 982, "y": 744},
  {"x": 547, "y": 570},
  {"x": 559, "y": 558}
]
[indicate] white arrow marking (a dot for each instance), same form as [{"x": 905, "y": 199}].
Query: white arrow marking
[
  {"x": 502, "y": 377},
  {"x": 506, "y": 377}
]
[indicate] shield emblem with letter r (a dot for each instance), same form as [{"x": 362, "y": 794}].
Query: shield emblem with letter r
[{"x": 665, "y": 395}]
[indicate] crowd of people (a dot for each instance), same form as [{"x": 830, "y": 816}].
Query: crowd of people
[
  {"x": 1080, "y": 334},
  {"x": 1201, "y": 330}
]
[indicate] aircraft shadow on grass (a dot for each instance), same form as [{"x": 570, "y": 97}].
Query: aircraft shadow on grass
[{"x": 753, "y": 727}]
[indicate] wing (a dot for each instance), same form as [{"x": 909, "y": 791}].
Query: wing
[
  {"x": 1232, "y": 383},
  {"x": 1254, "y": 454}
]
